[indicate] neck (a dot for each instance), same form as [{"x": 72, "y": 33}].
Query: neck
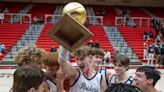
[
  {"x": 97, "y": 69},
  {"x": 89, "y": 73},
  {"x": 52, "y": 78},
  {"x": 121, "y": 77},
  {"x": 150, "y": 89}
]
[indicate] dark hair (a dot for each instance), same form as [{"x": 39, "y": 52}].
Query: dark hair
[
  {"x": 121, "y": 88},
  {"x": 150, "y": 73},
  {"x": 27, "y": 77},
  {"x": 124, "y": 60}
]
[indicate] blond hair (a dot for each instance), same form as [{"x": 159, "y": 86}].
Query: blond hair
[{"x": 30, "y": 54}]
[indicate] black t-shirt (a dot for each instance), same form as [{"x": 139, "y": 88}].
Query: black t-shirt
[
  {"x": 97, "y": 45},
  {"x": 157, "y": 50},
  {"x": 162, "y": 51},
  {"x": 151, "y": 50},
  {"x": 90, "y": 44}
]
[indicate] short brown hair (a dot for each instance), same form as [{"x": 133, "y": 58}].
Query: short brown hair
[
  {"x": 27, "y": 77},
  {"x": 124, "y": 60},
  {"x": 98, "y": 51},
  {"x": 84, "y": 51},
  {"x": 52, "y": 59}
]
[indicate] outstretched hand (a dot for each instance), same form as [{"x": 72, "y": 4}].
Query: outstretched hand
[{"x": 63, "y": 53}]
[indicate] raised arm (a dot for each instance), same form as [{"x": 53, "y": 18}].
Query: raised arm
[
  {"x": 65, "y": 65},
  {"x": 60, "y": 80}
]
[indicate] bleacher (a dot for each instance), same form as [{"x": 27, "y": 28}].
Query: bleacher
[
  {"x": 134, "y": 37},
  {"x": 43, "y": 41},
  {"x": 10, "y": 33},
  {"x": 109, "y": 14},
  {"x": 39, "y": 10},
  {"x": 13, "y": 7},
  {"x": 100, "y": 35},
  {"x": 157, "y": 11}
]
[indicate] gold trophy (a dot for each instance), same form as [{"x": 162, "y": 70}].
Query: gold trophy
[{"x": 70, "y": 31}]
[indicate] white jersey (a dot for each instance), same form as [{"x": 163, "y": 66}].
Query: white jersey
[
  {"x": 103, "y": 73},
  {"x": 83, "y": 84},
  {"x": 129, "y": 81},
  {"x": 52, "y": 85}
]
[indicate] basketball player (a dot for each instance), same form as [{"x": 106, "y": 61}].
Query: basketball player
[
  {"x": 97, "y": 61},
  {"x": 34, "y": 56},
  {"x": 85, "y": 78},
  {"x": 30, "y": 55},
  {"x": 146, "y": 77},
  {"x": 121, "y": 65},
  {"x": 51, "y": 66},
  {"x": 28, "y": 79}
]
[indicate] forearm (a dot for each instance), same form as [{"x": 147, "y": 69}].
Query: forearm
[
  {"x": 60, "y": 87},
  {"x": 65, "y": 65},
  {"x": 67, "y": 68}
]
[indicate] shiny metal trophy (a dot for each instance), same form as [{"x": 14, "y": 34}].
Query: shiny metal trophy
[{"x": 69, "y": 31}]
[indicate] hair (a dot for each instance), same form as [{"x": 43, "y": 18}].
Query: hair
[
  {"x": 98, "y": 52},
  {"x": 52, "y": 59},
  {"x": 84, "y": 51},
  {"x": 121, "y": 88},
  {"x": 29, "y": 54},
  {"x": 124, "y": 60},
  {"x": 150, "y": 73},
  {"x": 27, "y": 77}
]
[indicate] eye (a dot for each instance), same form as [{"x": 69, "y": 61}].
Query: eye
[{"x": 120, "y": 65}]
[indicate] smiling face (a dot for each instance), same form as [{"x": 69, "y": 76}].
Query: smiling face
[
  {"x": 84, "y": 63},
  {"x": 119, "y": 69},
  {"x": 84, "y": 58},
  {"x": 121, "y": 64},
  {"x": 97, "y": 60},
  {"x": 51, "y": 70},
  {"x": 141, "y": 81}
]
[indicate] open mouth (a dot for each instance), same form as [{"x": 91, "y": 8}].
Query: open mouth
[
  {"x": 81, "y": 67},
  {"x": 137, "y": 84}
]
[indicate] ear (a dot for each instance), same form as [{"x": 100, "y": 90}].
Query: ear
[
  {"x": 90, "y": 56},
  {"x": 31, "y": 90},
  {"x": 127, "y": 68},
  {"x": 150, "y": 81}
]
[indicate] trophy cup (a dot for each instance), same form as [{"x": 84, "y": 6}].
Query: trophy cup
[{"x": 70, "y": 31}]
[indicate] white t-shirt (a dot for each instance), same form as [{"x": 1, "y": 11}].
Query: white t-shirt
[
  {"x": 103, "y": 73},
  {"x": 84, "y": 84},
  {"x": 113, "y": 80},
  {"x": 52, "y": 85}
]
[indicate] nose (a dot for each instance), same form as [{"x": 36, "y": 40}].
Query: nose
[
  {"x": 79, "y": 63},
  {"x": 135, "y": 78},
  {"x": 116, "y": 67}
]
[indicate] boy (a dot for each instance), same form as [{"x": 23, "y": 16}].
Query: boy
[
  {"x": 28, "y": 79},
  {"x": 85, "y": 78},
  {"x": 146, "y": 77},
  {"x": 121, "y": 65},
  {"x": 30, "y": 55},
  {"x": 52, "y": 66},
  {"x": 98, "y": 55}
]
